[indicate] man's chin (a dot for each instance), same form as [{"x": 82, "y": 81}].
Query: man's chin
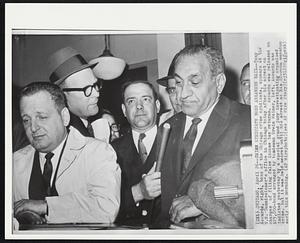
[
  {"x": 93, "y": 111},
  {"x": 189, "y": 111},
  {"x": 40, "y": 147}
]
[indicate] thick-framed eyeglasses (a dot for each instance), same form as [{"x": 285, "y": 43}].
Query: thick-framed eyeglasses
[
  {"x": 87, "y": 90},
  {"x": 171, "y": 90}
]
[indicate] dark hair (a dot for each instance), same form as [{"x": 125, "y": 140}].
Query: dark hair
[
  {"x": 244, "y": 68},
  {"x": 215, "y": 58},
  {"x": 127, "y": 84},
  {"x": 55, "y": 92}
]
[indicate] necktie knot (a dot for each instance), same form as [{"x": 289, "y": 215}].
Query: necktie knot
[
  {"x": 196, "y": 121},
  {"x": 142, "y": 136},
  {"x": 90, "y": 129},
  {"x": 49, "y": 155}
]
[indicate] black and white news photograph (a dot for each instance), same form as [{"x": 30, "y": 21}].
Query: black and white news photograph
[{"x": 150, "y": 121}]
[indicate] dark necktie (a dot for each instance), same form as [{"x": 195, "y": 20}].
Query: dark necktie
[
  {"x": 188, "y": 143},
  {"x": 141, "y": 146},
  {"x": 48, "y": 172},
  {"x": 90, "y": 129}
]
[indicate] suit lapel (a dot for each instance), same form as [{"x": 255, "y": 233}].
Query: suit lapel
[
  {"x": 174, "y": 151},
  {"x": 76, "y": 122},
  {"x": 128, "y": 149},
  {"x": 215, "y": 126},
  {"x": 74, "y": 144}
]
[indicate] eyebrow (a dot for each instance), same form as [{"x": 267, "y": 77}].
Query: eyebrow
[
  {"x": 38, "y": 113},
  {"x": 133, "y": 97},
  {"x": 191, "y": 76}
]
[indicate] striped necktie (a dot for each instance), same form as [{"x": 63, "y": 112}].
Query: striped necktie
[
  {"x": 142, "y": 149},
  {"x": 188, "y": 143}
]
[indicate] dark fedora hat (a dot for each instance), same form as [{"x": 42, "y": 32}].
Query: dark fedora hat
[
  {"x": 164, "y": 80},
  {"x": 64, "y": 63}
]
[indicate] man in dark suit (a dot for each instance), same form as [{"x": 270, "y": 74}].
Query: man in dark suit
[
  {"x": 136, "y": 153},
  {"x": 205, "y": 134}
]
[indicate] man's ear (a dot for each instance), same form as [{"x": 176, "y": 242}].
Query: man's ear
[
  {"x": 220, "y": 82},
  {"x": 65, "y": 114},
  {"x": 123, "y": 109},
  {"x": 157, "y": 103}
]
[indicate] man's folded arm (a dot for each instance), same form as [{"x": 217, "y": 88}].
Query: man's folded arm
[{"x": 100, "y": 201}]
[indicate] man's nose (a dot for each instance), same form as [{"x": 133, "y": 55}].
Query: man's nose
[
  {"x": 185, "y": 91},
  {"x": 139, "y": 105},
  {"x": 34, "y": 126},
  {"x": 95, "y": 93}
]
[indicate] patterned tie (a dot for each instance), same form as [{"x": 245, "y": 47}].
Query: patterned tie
[
  {"x": 48, "y": 172},
  {"x": 141, "y": 146},
  {"x": 90, "y": 129},
  {"x": 188, "y": 143}
]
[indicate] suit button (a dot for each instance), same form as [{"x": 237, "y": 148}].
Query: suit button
[{"x": 144, "y": 212}]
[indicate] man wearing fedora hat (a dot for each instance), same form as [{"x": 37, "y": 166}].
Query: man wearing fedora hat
[
  {"x": 70, "y": 71},
  {"x": 170, "y": 84}
]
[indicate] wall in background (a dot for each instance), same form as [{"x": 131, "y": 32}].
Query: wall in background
[
  {"x": 167, "y": 46},
  {"x": 235, "y": 49},
  {"x": 30, "y": 52}
]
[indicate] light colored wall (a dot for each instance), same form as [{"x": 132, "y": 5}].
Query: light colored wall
[
  {"x": 30, "y": 53},
  {"x": 235, "y": 49},
  {"x": 156, "y": 51},
  {"x": 134, "y": 48},
  {"x": 167, "y": 46}
]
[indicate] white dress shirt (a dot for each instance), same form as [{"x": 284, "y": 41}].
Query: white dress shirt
[
  {"x": 200, "y": 128},
  {"x": 101, "y": 128},
  {"x": 148, "y": 140},
  {"x": 54, "y": 159}
]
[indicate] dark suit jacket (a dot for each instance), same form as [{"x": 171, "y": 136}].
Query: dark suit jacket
[
  {"x": 132, "y": 171},
  {"x": 228, "y": 124},
  {"x": 76, "y": 122}
]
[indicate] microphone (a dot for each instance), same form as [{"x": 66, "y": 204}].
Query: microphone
[{"x": 164, "y": 139}]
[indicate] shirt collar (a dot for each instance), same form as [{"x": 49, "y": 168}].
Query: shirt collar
[
  {"x": 84, "y": 121},
  {"x": 152, "y": 131},
  {"x": 204, "y": 116},
  {"x": 57, "y": 150}
]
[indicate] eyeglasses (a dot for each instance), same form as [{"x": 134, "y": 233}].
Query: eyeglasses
[
  {"x": 171, "y": 90},
  {"x": 87, "y": 90}
]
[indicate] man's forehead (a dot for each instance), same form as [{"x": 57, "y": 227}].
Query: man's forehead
[
  {"x": 171, "y": 82},
  {"x": 40, "y": 99},
  {"x": 138, "y": 89},
  {"x": 81, "y": 78},
  {"x": 190, "y": 62}
]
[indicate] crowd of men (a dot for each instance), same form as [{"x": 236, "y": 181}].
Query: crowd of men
[{"x": 79, "y": 170}]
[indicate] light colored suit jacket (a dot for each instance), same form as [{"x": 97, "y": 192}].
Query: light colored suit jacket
[{"x": 88, "y": 181}]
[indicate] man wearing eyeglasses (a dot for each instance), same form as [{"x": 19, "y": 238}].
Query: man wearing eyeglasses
[
  {"x": 75, "y": 77},
  {"x": 170, "y": 84}
]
